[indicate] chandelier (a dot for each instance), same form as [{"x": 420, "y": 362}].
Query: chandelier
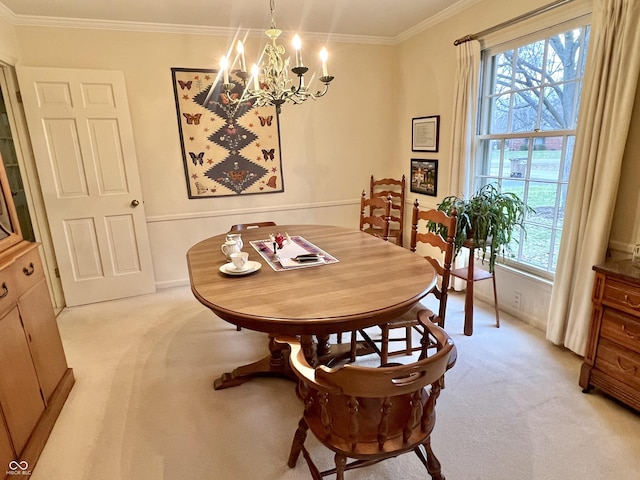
[{"x": 269, "y": 82}]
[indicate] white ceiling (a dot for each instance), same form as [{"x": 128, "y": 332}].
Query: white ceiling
[{"x": 384, "y": 19}]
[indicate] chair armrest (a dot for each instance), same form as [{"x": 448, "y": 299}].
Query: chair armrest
[
  {"x": 301, "y": 367},
  {"x": 441, "y": 336}
]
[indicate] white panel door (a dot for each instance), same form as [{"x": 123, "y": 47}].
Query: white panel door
[{"x": 82, "y": 140}]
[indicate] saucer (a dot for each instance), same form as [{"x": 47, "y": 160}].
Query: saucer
[{"x": 250, "y": 267}]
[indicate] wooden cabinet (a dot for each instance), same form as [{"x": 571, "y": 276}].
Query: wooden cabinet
[
  {"x": 612, "y": 359},
  {"x": 34, "y": 378},
  {"x": 41, "y": 329},
  {"x": 20, "y": 396},
  {"x": 6, "y": 450}
]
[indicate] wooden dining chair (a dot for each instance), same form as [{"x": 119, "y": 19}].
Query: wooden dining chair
[
  {"x": 384, "y": 188},
  {"x": 441, "y": 248},
  {"x": 375, "y": 215},
  {"x": 247, "y": 226},
  {"x": 371, "y": 414}
]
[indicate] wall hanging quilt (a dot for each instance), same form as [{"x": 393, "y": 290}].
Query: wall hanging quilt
[{"x": 227, "y": 149}]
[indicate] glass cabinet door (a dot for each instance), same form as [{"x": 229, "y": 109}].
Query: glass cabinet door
[{"x": 8, "y": 152}]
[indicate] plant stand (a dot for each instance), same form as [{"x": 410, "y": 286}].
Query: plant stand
[{"x": 470, "y": 276}]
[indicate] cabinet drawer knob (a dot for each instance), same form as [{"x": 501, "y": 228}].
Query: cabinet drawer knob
[
  {"x": 627, "y": 301},
  {"x": 628, "y": 334},
  {"x": 631, "y": 369},
  {"x": 29, "y": 271},
  {"x": 5, "y": 290}
]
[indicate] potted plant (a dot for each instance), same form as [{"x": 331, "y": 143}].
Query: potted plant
[{"x": 489, "y": 218}]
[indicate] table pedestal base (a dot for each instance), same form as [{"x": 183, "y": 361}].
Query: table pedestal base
[{"x": 275, "y": 365}]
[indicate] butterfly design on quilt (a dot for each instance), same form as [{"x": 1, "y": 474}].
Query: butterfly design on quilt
[
  {"x": 197, "y": 158},
  {"x": 269, "y": 154},
  {"x": 265, "y": 120},
  {"x": 192, "y": 119},
  {"x": 238, "y": 176}
]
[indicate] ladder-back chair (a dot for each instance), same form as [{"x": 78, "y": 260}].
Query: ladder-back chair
[
  {"x": 375, "y": 215},
  {"x": 384, "y": 188},
  {"x": 247, "y": 226},
  {"x": 441, "y": 249}
]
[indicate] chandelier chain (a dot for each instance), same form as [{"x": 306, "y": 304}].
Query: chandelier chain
[{"x": 273, "y": 10}]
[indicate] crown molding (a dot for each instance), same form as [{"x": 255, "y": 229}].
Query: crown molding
[
  {"x": 93, "y": 24},
  {"x": 117, "y": 25},
  {"x": 450, "y": 11},
  {"x": 6, "y": 14}
]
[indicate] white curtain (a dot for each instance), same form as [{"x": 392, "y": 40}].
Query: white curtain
[
  {"x": 465, "y": 103},
  {"x": 611, "y": 79}
]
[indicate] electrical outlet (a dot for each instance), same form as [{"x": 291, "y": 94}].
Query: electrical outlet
[{"x": 517, "y": 299}]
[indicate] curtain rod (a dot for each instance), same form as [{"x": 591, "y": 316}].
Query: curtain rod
[{"x": 517, "y": 19}]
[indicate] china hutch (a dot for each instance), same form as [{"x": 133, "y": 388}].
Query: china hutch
[{"x": 34, "y": 377}]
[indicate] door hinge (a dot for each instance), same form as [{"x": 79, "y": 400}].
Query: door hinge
[
  {"x": 57, "y": 272},
  {"x": 19, "y": 96}
]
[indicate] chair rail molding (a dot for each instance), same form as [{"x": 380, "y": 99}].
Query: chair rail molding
[{"x": 244, "y": 211}]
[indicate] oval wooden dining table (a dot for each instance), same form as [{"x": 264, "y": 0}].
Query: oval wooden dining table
[{"x": 372, "y": 283}]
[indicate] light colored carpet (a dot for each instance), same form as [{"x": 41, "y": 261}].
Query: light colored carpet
[{"x": 143, "y": 407}]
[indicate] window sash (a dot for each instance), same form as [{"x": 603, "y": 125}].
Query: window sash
[{"x": 482, "y": 161}]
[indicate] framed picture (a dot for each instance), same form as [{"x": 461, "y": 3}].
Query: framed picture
[
  {"x": 424, "y": 176},
  {"x": 425, "y": 134},
  {"x": 228, "y": 148}
]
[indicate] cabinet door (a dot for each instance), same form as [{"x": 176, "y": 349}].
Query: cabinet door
[
  {"x": 6, "y": 451},
  {"x": 41, "y": 327},
  {"x": 20, "y": 396}
]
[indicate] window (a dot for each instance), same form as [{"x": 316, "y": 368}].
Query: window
[{"x": 528, "y": 115}]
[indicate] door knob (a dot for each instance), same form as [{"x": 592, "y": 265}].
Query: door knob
[{"x": 135, "y": 203}]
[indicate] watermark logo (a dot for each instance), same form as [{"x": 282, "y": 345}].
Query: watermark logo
[{"x": 18, "y": 468}]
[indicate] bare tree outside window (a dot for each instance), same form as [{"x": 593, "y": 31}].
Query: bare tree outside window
[{"x": 529, "y": 112}]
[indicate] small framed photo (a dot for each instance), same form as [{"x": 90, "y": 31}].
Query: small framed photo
[
  {"x": 425, "y": 134},
  {"x": 424, "y": 176}
]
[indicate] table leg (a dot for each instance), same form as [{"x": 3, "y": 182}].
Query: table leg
[
  {"x": 330, "y": 353},
  {"x": 323, "y": 347},
  {"x": 275, "y": 365}
]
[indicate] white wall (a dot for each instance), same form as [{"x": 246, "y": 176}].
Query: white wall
[{"x": 9, "y": 51}]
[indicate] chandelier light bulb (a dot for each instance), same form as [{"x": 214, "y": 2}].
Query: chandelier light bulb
[
  {"x": 324, "y": 55},
  {"x": 297, "y": 45},
  {"x": 240, "y": 49},
  {"x": 255, "y": 72},
  {"x": 224, "y": 66}
]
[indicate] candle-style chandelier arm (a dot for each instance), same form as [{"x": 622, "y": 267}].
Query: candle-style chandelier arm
[{"x": 270, "y": 84}]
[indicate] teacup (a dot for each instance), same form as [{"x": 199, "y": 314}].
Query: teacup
[
  {"x": 239, "y": 260},
  {"x": 229, "y": 247}
]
